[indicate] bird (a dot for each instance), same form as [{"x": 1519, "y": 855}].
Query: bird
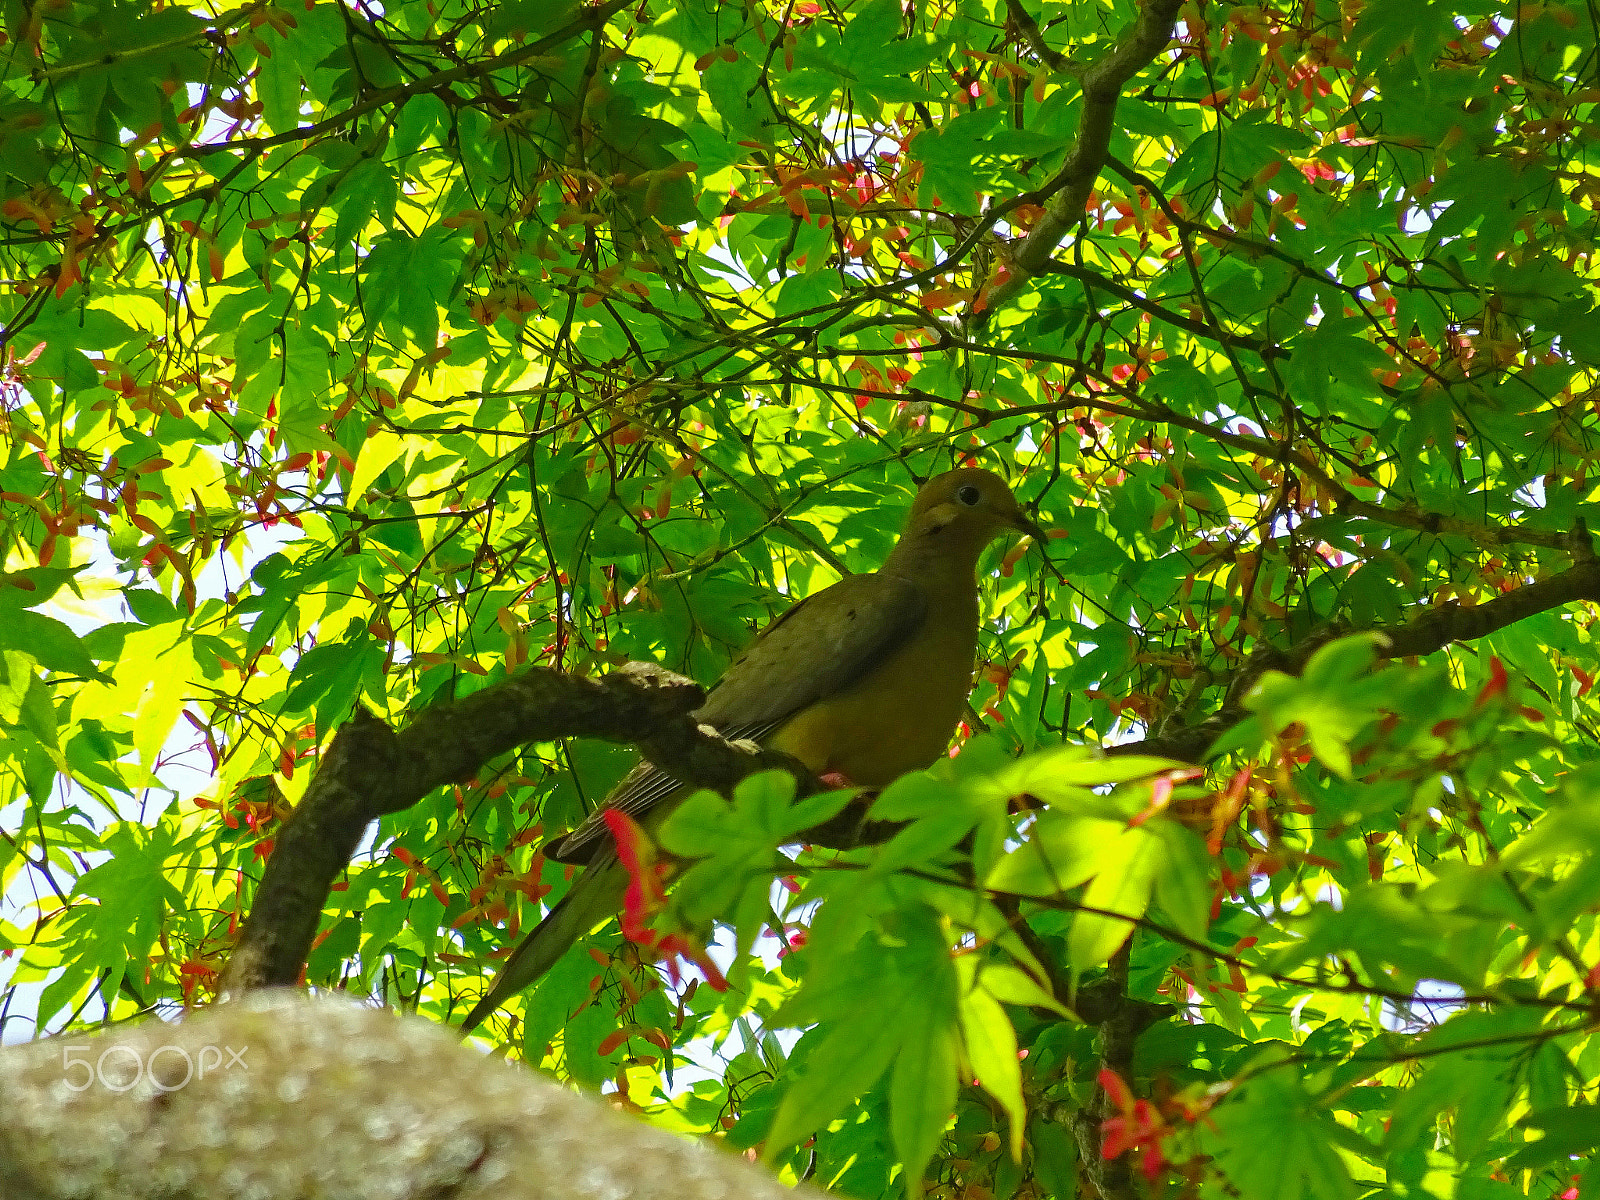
[{"x": 863, "y": 681}]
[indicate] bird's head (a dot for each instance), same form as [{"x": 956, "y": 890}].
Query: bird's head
[{"x": 960, "y": 512}]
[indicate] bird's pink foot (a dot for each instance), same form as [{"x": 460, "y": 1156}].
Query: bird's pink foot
[{"x": 836, "y": 779}]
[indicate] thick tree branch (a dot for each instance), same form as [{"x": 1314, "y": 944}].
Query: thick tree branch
[
  {"x": 1118, "y": 1033},
  {"x": 288, "y": 1098},
  {"x": 370, "y": 770},
  {"x": 1069, "y": 190},
  {"x": 1023, "y": 20},
  {"x": 1429, "y": 631}
]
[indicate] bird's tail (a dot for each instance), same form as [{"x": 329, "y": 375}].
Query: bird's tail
[{"x": 597, "y": 895}]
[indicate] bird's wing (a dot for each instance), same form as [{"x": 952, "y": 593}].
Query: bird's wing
[{"x": 815, "y": 650}]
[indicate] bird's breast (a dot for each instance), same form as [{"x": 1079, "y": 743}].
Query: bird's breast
[{"x": 896, "y": 718}]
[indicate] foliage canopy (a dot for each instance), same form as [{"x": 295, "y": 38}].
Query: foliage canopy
[{"x": 362, "y": 355}]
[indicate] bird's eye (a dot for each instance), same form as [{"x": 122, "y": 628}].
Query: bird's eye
[{"x": 969, "y": 496}]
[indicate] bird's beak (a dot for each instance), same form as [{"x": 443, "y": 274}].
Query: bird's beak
[
  {"x": 1023, "y": 525},
  {"x": 1041, "y": 540}
]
